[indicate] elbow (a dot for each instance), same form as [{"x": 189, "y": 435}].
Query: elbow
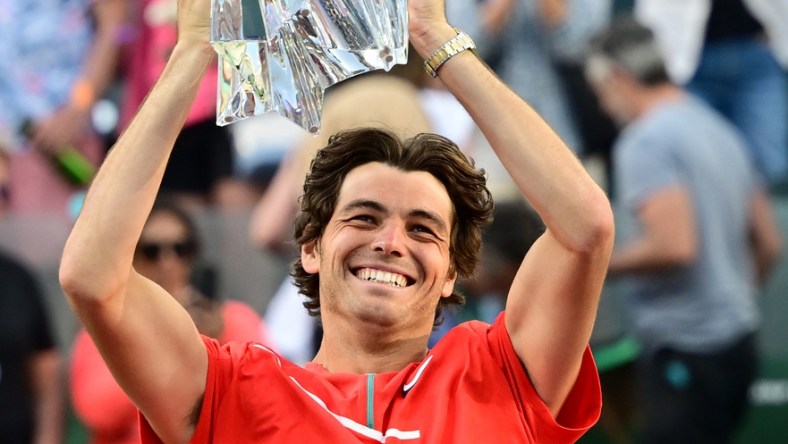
[
  {"x": 71, "y": 282},
  {"x": 67, "y": 273},
  {"x": 599, "y": 232},
  {"x": 81, "y": 283}
]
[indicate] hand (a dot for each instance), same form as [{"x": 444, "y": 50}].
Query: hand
[
  {"x": 496, "y": 14},
  {"x": 428, "y": 26},
  {"x": 66, "y": 127},
  {"x": 194, "y": 21},
  {"x": 553, "y": 12},
  {"x": 425, "y": 13}
]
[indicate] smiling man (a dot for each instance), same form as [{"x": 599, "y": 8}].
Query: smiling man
[{"x": 386, "y": 229}]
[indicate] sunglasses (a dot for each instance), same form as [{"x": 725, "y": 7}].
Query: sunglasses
[{"x": 153, "y": 251}]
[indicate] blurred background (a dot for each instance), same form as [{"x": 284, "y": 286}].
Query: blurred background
[{"x": 72, "y": 73}]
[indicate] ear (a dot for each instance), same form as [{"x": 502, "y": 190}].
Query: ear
[
  {"x": 310, "y": 257},
  {"x": 448, "y": 286}
]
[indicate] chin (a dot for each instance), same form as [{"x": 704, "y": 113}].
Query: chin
[{"x": 378, "y": 315}]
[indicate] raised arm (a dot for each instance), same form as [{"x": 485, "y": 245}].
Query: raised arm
[
  {"x": 552, "y": 303},
  {"x": 147, "y": 338},
  {"x": 67, "y": 124}
]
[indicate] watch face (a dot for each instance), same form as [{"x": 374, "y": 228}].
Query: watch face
[{"x": 456, "y": 45}]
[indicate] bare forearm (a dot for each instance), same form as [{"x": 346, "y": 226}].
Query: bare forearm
[
  {"x": 553, "y": 12},
  {"x": 100, "y": 64},
  {"x": 98, "y": 254},
  {"x": 274, "y": 214},
  {"x": 667, "y": 236},
  {"x": 648, "y": 256},
  {"x": 550, "y": 176}
]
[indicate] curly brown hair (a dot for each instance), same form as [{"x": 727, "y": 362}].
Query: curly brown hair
[{"x": 346, "y": 150}]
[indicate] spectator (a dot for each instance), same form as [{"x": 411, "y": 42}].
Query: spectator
[
  {"x": 166, "y": 254},
  {"x": 202, "y": 161},
  {"x": 57, "y": 57},
  {"x": 31, "y": 393},
  {"x": 729, "y": 53},
  {"x": 704, "y": 238},
  {"x": 524, "y": 40}
]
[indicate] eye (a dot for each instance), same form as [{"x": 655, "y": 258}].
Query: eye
[
  {"x": 363, "y": 218},
  {"x": 422, "y": 229}
]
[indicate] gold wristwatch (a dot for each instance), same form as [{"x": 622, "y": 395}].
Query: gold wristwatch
[{"x": 454, "y": 46}]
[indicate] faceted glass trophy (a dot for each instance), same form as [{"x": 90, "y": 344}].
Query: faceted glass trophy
[{"x": 281, "y": 55}]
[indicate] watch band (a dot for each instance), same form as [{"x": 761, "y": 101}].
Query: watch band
[{"x": 454, "y": 46}]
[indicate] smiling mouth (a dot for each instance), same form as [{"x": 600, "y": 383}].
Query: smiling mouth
[{"x": 383, "y": 277}]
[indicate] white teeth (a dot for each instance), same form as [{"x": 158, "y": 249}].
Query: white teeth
[{"x": 369, "y": 274}]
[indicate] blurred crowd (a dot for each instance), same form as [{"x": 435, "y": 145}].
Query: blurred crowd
[{"x": 678, "y": 108}]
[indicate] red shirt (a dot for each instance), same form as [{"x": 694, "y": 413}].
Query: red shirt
[
  {"x": 101, "y": 404},
  {"x": 470, "y": 388}
]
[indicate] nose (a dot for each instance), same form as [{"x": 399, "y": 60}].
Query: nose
[
  {"x": 168, "y": 256},
  {"x": 390, "y": 239}
]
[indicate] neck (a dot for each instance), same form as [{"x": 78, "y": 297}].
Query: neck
[
  {"x": 657, "y": 95},
  {"x": 364, "y": 352}
]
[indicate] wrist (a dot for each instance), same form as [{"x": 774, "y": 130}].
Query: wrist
[
  {"x": 83, "y": 95},
  {"x": 197, "y": 51},
  {"x": 426, "y": 42},
  {"x": 459, "y": 43}
]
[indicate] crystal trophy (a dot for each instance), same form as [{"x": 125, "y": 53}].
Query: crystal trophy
[{"x": 282, "y": 55}]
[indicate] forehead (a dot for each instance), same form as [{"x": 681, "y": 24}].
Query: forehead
[
  {"x": 163, "y": 225},
  {"x": 395, "y": 189}
]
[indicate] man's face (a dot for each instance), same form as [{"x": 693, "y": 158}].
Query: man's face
[
  {"x": 613, "y": 100},
  {"x": 384, "y": 255},
  {"x": 605, "y": 80}
]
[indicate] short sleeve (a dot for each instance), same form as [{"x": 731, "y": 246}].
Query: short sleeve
[
  {"x": 644, "y": 165},
  {"x": 222, "y": 365},
  {"x": 581, "y": 409}
]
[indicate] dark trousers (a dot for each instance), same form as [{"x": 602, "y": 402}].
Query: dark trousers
[{"x": 696, "y": 398}]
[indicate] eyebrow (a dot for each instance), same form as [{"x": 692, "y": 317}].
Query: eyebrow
[
  {"x": 432, "y": 217},
  {"x": 360, "y": 204},
  {"x": 377, "y": 206}
]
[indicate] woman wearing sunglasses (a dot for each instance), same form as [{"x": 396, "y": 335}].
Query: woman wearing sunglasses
[{"x": 167, "y": 254}]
